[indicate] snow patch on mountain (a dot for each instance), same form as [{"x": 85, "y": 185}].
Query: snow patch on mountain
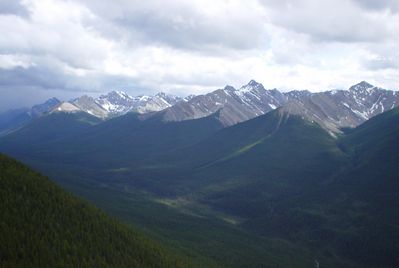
[{"x": 118, "y": 102}]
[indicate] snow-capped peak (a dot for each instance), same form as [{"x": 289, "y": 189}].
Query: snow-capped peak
[
  {"x": 115, "y": 102},
  {"x": 119, "y": 102},
  {"x": 123, "y": 94}
]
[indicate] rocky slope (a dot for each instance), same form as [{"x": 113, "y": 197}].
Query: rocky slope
[{"x": 332, "y": 110}]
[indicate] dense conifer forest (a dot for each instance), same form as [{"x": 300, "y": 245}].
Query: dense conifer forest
[{"x": 43, "y": 226}]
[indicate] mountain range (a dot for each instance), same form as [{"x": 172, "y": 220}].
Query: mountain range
[
  {"x": 118, "y": 103},
  {"x": 107, "y": 106},
  {"x": 309, "y": 180},
  {"x": 334, "y": 110}
]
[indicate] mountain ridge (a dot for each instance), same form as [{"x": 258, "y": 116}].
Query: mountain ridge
[{"x": 334, "y": 109}]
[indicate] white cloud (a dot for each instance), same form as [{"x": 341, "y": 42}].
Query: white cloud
[
  {"x": 11, "y": 61},
  {"x": 196, "y": 46},
  {"x": 328, "y": 21}
]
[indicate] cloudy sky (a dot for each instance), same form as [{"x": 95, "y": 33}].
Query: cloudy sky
[{"x": 69, "y": 48}]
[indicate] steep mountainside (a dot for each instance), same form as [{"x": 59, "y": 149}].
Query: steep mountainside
[
  {"x": 89, "y": 105},
  {"x": 118, "y": 103},
  {"x": 333, "y": 110},
  {"x": 41, "y": 225},
  {"x": 235, "y": 105},
  {"x": 277, "y": 138},
  {"x": 339, "y": 109}
]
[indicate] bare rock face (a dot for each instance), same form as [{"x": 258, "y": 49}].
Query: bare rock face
[
  {"x": 333, "y": 110},
  {"x": 235, "y": 105},
  {"x": 118, "y": 103},
  {"x": 66, "y": 107},
  {"x": 339, "y": 109},
  {"x": 89, "y": 105}
]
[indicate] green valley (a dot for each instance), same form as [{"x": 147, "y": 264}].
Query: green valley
[{"x": 274, "y": 191}]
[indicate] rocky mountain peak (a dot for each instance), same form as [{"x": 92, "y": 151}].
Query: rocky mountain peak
[
  {"x": 117, "y": 94},
  {"x": 361, "y": 86},
  {"x": 169, "y": 98},
  {"x": 253, "y": 83},
  {"x": 229, "y": 88},
  {"x": 45, "y": 107}
]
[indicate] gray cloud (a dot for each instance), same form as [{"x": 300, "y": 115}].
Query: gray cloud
[
  {"x": 391, "y": 5},
  {"x": 381, "y": 64},
  {"x": 64, "y": 48},
  {"x": 24, "y": 87},
  {"x": 183, "y": 24},
  {"x": 13, "y": 7},
  {"x": 52, "y": 78},
  {"x": 327, "y": 21},
  {"x": 382, "y": 57}
]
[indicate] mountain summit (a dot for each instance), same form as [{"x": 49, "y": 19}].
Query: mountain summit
[
  {"x": 361, "y": 86},
  {"x": 254, "y": 84}
]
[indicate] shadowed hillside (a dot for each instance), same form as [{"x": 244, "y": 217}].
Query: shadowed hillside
[
  {"x": 277, "y": 189},
  {"x": 41, "y": 225}
]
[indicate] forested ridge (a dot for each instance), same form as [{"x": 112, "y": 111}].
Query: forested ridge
[{"x": 43, "y": 226}]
